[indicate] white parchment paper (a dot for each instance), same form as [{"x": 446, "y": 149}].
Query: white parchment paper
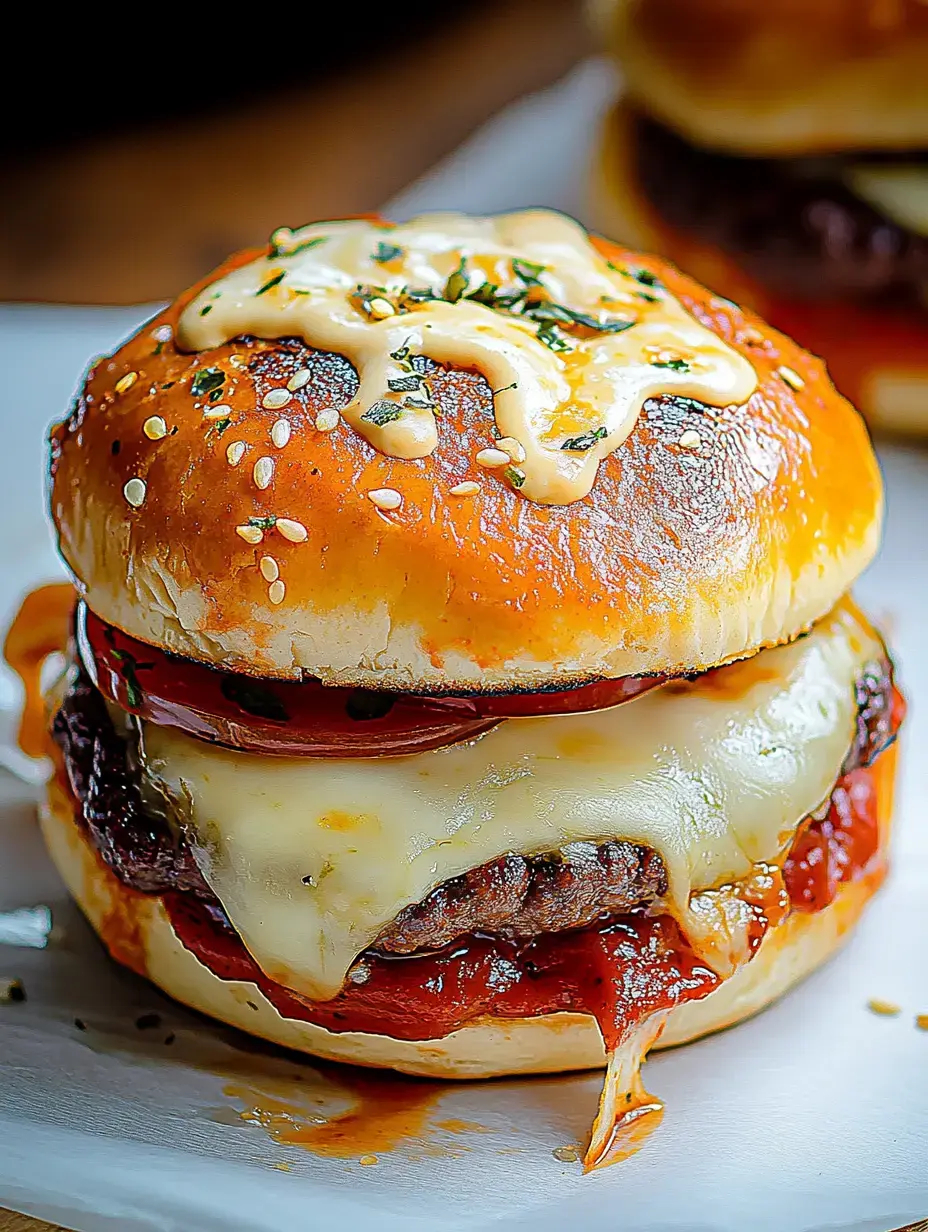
[{"x": 812, "y": 1116}]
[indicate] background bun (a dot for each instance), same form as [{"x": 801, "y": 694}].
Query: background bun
[
  {"x": 708, "y": 535},
  {"x": 778, "y": 77},
  {"x": 137, "y": 932},
  {"x": 877, "y": 356}
]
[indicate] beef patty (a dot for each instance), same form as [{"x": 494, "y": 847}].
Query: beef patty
[
  {"x": 512, "y": 896},
  {"x": 791, "y": 222}
]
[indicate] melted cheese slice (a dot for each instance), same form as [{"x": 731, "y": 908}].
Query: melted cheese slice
[
  {"x": 313, "y": 858},
  {"x": 567, "y": 403},
  {"x": 897, "y": 190}
]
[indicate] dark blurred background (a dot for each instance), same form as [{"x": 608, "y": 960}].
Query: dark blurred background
[{"x": 141, "y": 150}]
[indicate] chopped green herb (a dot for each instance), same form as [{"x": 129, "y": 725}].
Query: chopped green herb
[
  {"x": 159, "y": 347},
  {"x": 400, "y": 355},
  {"x": 127, "y": 670},
  {"x": 220, "y": 426},
  {"x": 405, "y": 384},
  {"x": 646, "y": 278},
  {"x": 267, "y": 523},
  {"x": 386, "y": 252},
  {"x": 586, "y": 440},
  {"x": 206, "y": 380},
  {"x": 552, "y": 337},
  {"x": 548, "y": 311},
  {"x": 648, "y": 299},
  {"x": 214, "y": 395},
  {"x": 420, "y": 295},
  {"x": 527, "y": 271},
  {"x": 207, "y": 309},
  {"x": 420, "y": 404},
  {"x": 485, "y": 294},
  {"x": 382, "y": 412},
  {"x": 278, "y": 251},
  {"x": 676, "y": 365},
  {"x": 457, "y": 283},
  {"x": 271, "y": 282},
  {"x": 515, "y": 476},
  {"x": 503, "y": 388}
]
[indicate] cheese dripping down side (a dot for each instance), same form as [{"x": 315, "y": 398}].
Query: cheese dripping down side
[{"x": 571, "y": 345}]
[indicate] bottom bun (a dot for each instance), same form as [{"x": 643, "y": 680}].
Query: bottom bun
[
  {"x": 136, "y": 930},
  {"x": 876, "y": 357}
]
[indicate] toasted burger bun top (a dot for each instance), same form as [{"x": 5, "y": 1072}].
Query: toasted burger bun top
[
  {"x": 782, "y": 77},
  {"x": 678, "y": 492}
]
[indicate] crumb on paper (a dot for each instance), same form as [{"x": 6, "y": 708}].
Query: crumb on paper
[
  {"x": 366, "y": 1160},
  {"x": 566, "y": 1154},
  {"x": 170, "y": 1038},
  {"x": 147, "y": 1022},
  {"x": 281, "y": 1167},
  {"x": 11, "y": 991},
  {"x": 921, "y": 1021},
  {"x": 80, "y": 1024},
  {"x": 886, "y": 1009}
]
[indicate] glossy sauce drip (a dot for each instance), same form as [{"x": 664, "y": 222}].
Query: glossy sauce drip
[
  {"x": 40, "y": 629},
  {"x": 571, "y": 345}
]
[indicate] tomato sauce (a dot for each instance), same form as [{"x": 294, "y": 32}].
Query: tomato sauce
[{"x": 620, "y": 973}]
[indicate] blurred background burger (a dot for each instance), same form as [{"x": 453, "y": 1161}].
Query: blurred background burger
[{"x": 777, "y": 153}]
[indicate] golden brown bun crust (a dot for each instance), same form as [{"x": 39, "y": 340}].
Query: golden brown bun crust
[
  {"x": 137, "y": 932},
  {"x": 779, "y": 77},
  {"x": 875, "y": 356},
  {"x": 679, "y": 559}
]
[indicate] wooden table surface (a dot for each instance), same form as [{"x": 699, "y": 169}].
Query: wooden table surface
[{"x": 322, "y": 153}]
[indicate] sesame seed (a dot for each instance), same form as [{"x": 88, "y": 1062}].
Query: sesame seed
[
  {"x": 301, "y": 377},
  {"x": 163, "y": 333},
  {"x": 274, "y": 399},
  {"x": 296, "y": 532},
  {"x": 280, "y": 433},
  {"x": 134, "y": 492},
  {"x": 566, "y": 1154},
  {"x": 367, "y": 1160},
  {"x": 264, "y": 472},
  {"x": 270, "y": 570},
  {"x": 493, "y": 457},
  {"x": 276, "y": 591},
  {"x": 514, "y": 448},
  {"x": 155, "y": 428},
  {"x": 327, "y": 420},
  {"x": 467, "y": 488},
  {"x": 235, "y": 452},
  {"x": 238, "y": 361},
  {"x": 792, "y": 378},
  {"x": 220, "y": 411},
  {"x": 126, "y": 382},
  {"x": 380, "y": 308},
  {"x": 385, "y": 498},
  {"x": 886, "y": 1009},
  {"x": 690, "y": 440},
  {"x": 251, "y": 534}
]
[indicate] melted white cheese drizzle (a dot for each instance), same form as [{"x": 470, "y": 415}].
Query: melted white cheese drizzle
[
  {"x": 593, "y": 390},
  {"x": 312, "y": 858}
]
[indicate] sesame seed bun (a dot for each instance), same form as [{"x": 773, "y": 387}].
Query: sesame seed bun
[
  {"x": 875, "y": 354},
  {"x": 782, "y": 77},
  {"x": 136, "y": 930},
  {"x": 194, "y": 525}
]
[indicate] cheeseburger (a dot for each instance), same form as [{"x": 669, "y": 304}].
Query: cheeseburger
[
  {"x": 462, "y": 676},
  {"x": 778, "y": 152}
]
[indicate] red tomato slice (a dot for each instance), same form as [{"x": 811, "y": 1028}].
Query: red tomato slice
[{"x": 293, "y": 718}]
